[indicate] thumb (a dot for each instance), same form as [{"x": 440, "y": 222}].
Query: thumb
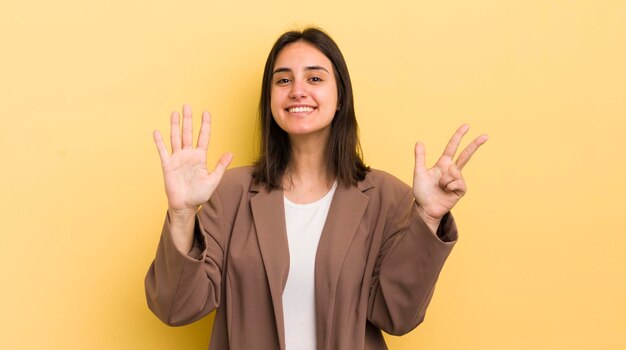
[
  {"x": 222, "y": 164},
  {"x": 420, "y": 158}
]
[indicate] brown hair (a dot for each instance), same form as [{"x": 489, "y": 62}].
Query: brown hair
[{"x": 343, "y": 152}]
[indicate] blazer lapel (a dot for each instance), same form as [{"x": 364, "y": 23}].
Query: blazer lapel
[
  {"x": 344, "y": 216},
  {"x": 269, "y": 220}
]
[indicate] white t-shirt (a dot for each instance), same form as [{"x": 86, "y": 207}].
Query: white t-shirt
[{"x": 304, "y": 228}]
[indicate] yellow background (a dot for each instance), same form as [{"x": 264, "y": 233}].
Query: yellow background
[{"x": 540, "y": 263}]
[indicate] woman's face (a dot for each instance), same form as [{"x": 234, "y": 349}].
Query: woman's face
[{"x": 304, "y": 90}]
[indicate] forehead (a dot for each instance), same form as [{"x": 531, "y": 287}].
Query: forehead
[{"x": 301, "y": 54}]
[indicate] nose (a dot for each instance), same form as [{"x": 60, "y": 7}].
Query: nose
[{"x": 298, "y": 90}]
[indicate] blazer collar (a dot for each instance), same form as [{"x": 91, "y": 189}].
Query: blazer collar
[{"x": 345, "y": 214}]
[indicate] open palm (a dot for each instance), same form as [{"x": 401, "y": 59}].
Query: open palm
[
  {"x": 438, "y": 189},
  {"x": 188, "y": 183}
]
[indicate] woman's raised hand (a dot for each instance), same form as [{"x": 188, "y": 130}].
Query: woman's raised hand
[
  {"x": 188, "y": 183},
  {"x": 439, "y": 188}
]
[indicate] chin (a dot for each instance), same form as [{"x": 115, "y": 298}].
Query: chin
[{"x": 307, "y": 131}]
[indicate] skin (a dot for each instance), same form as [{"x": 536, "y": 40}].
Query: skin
[
  {"x": 303, "y": 76},
  {"x": 438, "y": 189},
  {"x": 188, "y": 183}
]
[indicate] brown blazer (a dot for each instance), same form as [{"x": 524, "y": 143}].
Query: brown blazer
[{"x": 375, "y": 269}]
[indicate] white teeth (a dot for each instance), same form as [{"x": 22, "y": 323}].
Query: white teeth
[{"x": 300, "y": 109}]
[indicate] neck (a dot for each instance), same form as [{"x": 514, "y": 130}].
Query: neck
[{"x": 307, "y": 168}]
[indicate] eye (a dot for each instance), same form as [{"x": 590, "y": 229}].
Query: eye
[
  {"x": 316, "y": 79},
  {"x": 282, "y": 81}
]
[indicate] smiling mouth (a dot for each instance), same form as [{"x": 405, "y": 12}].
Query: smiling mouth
[{"x": 300, "y": 109}]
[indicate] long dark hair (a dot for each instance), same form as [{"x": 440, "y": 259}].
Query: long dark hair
[{"x": 343, "y": 152}]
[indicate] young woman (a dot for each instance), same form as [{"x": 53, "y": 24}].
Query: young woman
[{"x": 308, "y": 248}]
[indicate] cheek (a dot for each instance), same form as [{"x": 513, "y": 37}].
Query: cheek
[
  {"x": 274, "y": 103},
  {"x": 332, "y": 94},
  {"x": 332, "y": 98}
]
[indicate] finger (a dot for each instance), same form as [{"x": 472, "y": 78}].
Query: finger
[
  {"x": 187, "y": 127},
  {"x": 222, "y": 165},
  {"x": 158, "y": 140},
  {"x": 457, "y": 186},
  {"x": 420, "y": 158},
  {"x": 455, "y": 141},
  {"x": 445, "y": 180},
  {"x": 205, "y": 131},
  {"x": 175, "y": 132},
  {"x": 452, "y": 174},
  {"x": 467, "y": 153}
]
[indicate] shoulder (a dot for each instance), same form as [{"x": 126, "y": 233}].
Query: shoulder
[
  {"x": 236, "y": 181},
  {"x": 380, "y": 180},
  {"x": 385, "y": 191},
  {"x": 242, "y": 174}
]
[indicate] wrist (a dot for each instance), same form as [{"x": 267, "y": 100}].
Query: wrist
[
  {"x": 182, "y": 223},
  {"x": 184, "y": 214},
  {"x": 430, "y": 221}
]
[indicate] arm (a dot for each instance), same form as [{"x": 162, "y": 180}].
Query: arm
[
  {"x": 420, "y": 239},
  {"x": 182, "y": 288},
  {"x": 407, "y": 268},
  {"x": 183, "y": 282}
]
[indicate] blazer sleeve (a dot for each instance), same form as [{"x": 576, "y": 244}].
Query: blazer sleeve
[
  {"x": 180, "y": 288},
  {"x": 407, "y": 268}
]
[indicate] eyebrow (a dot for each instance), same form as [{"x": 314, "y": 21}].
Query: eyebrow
[{"x": 285, "y": 69}]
